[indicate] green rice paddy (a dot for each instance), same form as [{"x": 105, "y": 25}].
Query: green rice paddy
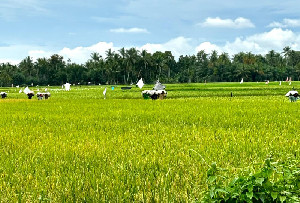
[{"x": 78, "y": 146}]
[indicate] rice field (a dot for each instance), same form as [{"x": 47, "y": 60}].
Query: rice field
[{"x": 78, "y": 146}]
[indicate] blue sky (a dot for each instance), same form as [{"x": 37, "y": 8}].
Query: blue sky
[{"x": 76, "y": 28}]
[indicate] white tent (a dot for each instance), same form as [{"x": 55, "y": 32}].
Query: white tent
[
  {"x": 27, "y": 90},
  {"x": 159, "y": 86}
]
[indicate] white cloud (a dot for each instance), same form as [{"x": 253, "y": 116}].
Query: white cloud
[
  {"x": 178, "y": 46},
  {"x": 208, "y": 47},
  {"x": 78, "y": 54},
  {"x": 15, "y": 53},
  {"x": 292, "y": 22},
  {"x": 285, "y": 23},
  {"x": 11, "y": 61},
  {"x": 228, "y": 23},
  {"x": 276, "y": 24},
  {"x": 82, "y": 54},
  {"x": 38, "y": 53},
  {"x": 276, "y": 39},
  {"x": 130, "y": 30}
]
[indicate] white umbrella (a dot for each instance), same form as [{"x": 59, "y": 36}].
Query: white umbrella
[{"x": 26, "y": 90}]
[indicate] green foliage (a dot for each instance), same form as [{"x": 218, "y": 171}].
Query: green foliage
[
  {"x": 275, "y": 182},
  {"x": 127, "y": 66}
]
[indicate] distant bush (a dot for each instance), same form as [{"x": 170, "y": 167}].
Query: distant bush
[{"x": 275, "y": 182}]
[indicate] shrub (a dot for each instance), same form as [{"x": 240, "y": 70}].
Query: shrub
[{"x": 275, "y": 182}]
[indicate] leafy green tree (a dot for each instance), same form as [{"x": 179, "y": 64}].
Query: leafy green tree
[
  {"x": 146, "y": 63},
  {"x": 27, "y": 68},
  {"x": 128, "y": 65},
  {"x": 56, "y": 70},
  {"x": 42, "y": 67},
  {"x": 223, "y": 65},
  {"x": 123, "y": 64},
  {"x": 77, "y": 74},
  {"x": 187, "y": 66},
  {"x": 95, "y": 69},
  {"x": 201, "y": 72},
  {"x": 213, "y": 63},
  {"x": 6, "y": 74},
  {"x": 132, "y": 58},
  {"x": 159, "y": 61},
  {"x": 110, "y": 64},
  {"x": 169, "y": 66}
]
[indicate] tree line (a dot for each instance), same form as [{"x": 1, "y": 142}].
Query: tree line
[{"x": 127, "y": 66}]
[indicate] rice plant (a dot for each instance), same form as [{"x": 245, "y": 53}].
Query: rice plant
[{"x": 78, "y": 146}]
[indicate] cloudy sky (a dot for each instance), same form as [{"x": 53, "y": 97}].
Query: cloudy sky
[{"x": 76, "y": 28}]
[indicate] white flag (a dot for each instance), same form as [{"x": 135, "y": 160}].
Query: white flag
[
  {"x": 242, "y": 81},
  {"x": 140, "y": 83},
  {"x": 104, "y": 92},
  {"x": 280, "y": 83}
]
